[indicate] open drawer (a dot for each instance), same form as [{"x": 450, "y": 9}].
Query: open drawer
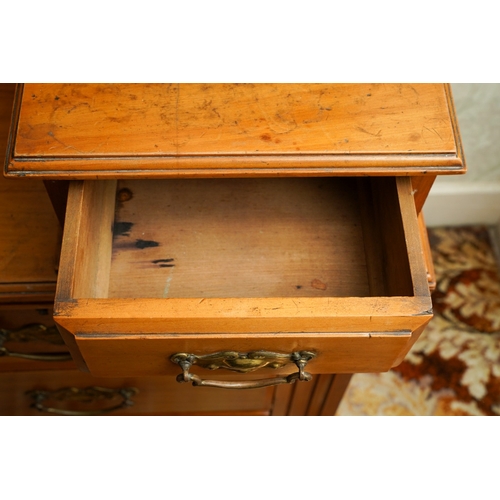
[{"x": 153, "y": 268}]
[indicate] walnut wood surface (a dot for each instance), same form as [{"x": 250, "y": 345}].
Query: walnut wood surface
[{"x": 156, "y": 130}]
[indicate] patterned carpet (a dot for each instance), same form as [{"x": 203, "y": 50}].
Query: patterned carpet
[{"x": 454, "y": 368}]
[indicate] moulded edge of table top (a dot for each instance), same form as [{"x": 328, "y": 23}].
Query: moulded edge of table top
[{"x": 51, "y": 140}]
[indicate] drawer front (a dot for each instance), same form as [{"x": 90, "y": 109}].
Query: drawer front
[
  {"x": 152, "y": 355},
  {"x": 333, "y": 266},
  {"x": 72, "y": 392}
]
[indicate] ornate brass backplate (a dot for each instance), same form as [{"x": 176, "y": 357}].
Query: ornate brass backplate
[
  {"x": 32, "y": 333},
  {"x": 242, "y": 362},
  {"x": 85, "y": 395}
]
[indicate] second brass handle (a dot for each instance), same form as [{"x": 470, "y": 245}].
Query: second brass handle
[
  {"x": 29, "y": 333},
  {"x": 87, "y": 395},
  {"x": 42, "y": 356}
]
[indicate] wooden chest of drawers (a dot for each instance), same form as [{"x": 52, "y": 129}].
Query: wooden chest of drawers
[{"x": 235, "y": 221}]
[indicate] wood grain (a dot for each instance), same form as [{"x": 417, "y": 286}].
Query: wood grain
[
  {"x": 237, "y": 238},
  {"x": 429, "y": 264},
  {"x": 355, "y": 328},
  {"x": 30, "y": 234},
  {"x": 87, "y": 240},
  {"x": 335, "y": 393},
  {"x": 149, "y": 354},
  {"x": 156, "y": 396},
  {"x": 13, "y": 318},
  {"x": 158, "y": 130}
]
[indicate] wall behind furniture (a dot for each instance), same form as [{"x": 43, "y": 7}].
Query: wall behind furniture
[{"x": 473, "y": 198}]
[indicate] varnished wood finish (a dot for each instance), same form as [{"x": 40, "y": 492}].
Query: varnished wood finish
[
  {"x": 421, "y": 187},
  {"x": 335, "y": 393},
  {"x": 424, "y": 236},
  {"x": 156, "y": 396},
  {"x": 149, "y": 354},
  {"x": 335, "y": 266},
  {"x": 30, "y": 242},
  {"x": 352, "y": 327},
  {"x": 13, "y": 318},
  {"x": 58, "y": 194},
  {"x": 320, "y": 397},
  {"x": 30, "y": 235},
  {"x": 70, "y": 131}
]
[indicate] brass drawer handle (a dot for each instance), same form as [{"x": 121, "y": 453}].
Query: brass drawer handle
[
  {"x": 29, "y": 333},
  {"x": 86, "y": 395},
  {"x": 41, "y": 356},
  {"x": 243, "y": 363}
]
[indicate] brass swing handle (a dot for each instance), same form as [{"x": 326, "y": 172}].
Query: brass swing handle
[
  {"x": 243, "y": 362},
  {"x": 36, "y": 332},
  {"x": 86, "y": 395},
  {"x": 41, "y": 356}
]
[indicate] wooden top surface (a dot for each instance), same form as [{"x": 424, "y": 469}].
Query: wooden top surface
[{"x": 161, "y": 130}]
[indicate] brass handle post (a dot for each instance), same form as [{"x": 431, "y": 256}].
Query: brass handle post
[{"x": 243, "y": 362}]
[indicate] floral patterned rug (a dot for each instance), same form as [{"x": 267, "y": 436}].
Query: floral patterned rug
[{"x": 454, "y": 367}]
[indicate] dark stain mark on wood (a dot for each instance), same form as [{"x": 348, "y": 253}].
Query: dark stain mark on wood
[
  {"x": 164, "y": 262},
  {"x": 56, "y": 98},
  {"x": 298, "y": 287},
  {"x": 265, "y": 137},
  {"x": 122, "y": 228},
  {"x": 146, "y": 244},
  {"x": 124, "y": 195}
]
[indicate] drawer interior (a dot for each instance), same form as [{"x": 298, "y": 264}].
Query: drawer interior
[
  {"x": 150, "y": 268},
  {"x": 266, "y": 237}
]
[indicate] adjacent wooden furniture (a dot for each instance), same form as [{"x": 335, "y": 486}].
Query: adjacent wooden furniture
[{"x": 238, "y": 227}]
